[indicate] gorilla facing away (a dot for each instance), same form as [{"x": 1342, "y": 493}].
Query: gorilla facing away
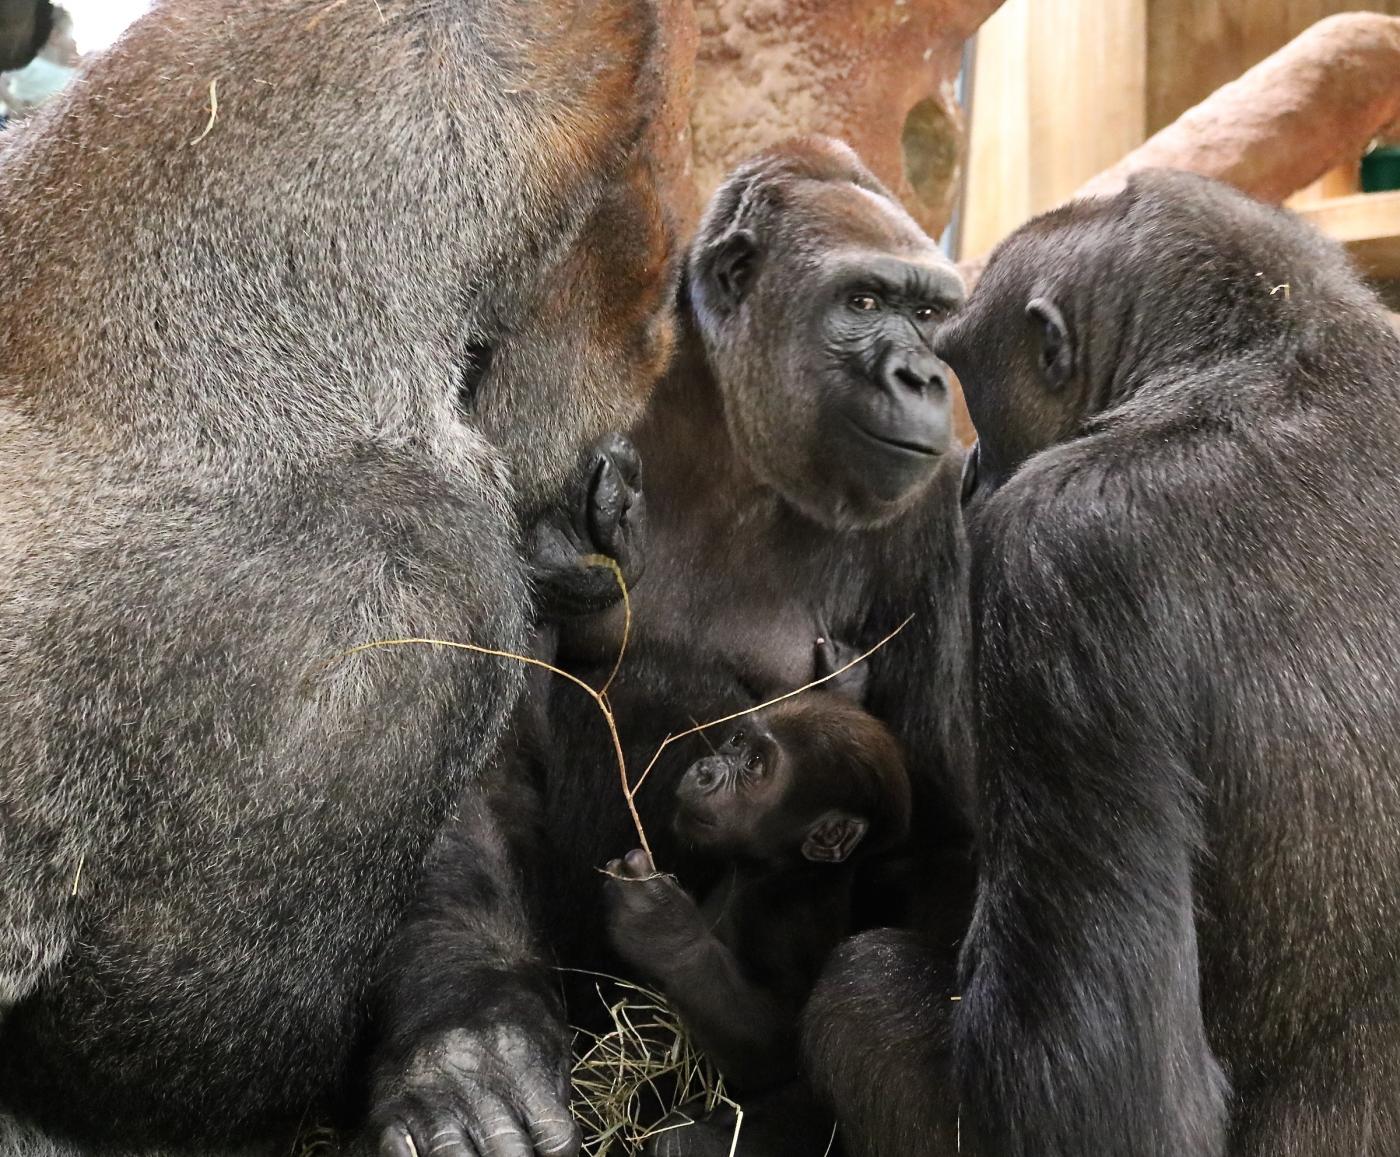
[
  {"x": 311, "y": 309},
  {"x": 1185, "y": 523}
]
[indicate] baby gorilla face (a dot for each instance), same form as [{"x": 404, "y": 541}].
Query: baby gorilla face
[
  {"x": 724, "y": 799},
  {"x": 753, "y": 800}
]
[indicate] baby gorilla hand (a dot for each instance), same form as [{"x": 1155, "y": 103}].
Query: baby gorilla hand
[
  {"x": 652, "y": 921},
  {"x": 480, "y": 1093},
  {"x": 603, "y": 517}
]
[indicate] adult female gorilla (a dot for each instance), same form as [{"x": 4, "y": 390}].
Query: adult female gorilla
[
  {"x": 309, "y": 308},
  {"x": 800, "y": 489}
]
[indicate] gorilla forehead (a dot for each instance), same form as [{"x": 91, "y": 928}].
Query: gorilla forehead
[{"x": 857, "y": 217}]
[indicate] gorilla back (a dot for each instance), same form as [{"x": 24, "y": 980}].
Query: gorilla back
[
  {"x": 1185, "y": 521},
  {"x": 289, "y": 286}
]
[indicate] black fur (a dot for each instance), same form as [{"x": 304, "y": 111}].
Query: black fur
[
  {"x": 785, "y": 808},
  {"x": 1186, "y": 537}
]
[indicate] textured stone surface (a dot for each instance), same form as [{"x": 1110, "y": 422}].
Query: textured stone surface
[{"x": 879, "y": 74}]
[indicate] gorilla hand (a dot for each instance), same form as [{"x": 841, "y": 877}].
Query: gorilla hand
[
  {"x": 652, "y": 921},
  {"x": 605, "y": 515},
  {"x": 491, "y": 1092}
]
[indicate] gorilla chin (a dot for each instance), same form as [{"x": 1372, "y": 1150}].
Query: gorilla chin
[{"x": 867, "y": 475}]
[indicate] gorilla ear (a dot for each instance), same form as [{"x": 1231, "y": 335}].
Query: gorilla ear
[
  {"x": 730, "y": 265},
  {"x": 831, "y": 839},
  {"x": 1053, "y": 340}
]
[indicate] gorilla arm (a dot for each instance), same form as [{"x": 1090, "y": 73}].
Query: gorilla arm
[
  {"x": 474, "y": 1056},
  {"x": 657, "y": 927},
  {"x": 916, "y": 680},
  {"x": 1081, "y": 1029},
  {"x": 473, "y": 1048}
]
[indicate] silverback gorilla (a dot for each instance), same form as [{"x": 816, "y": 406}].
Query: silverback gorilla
[
  {"x": 1185, "y": 525},
  {"x": 308, "y": 309}
]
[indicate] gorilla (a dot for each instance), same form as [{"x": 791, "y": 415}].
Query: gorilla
[
  {"x": 800, "y": 793},
  {"x": 800, "y": 478},
  {"x": 800, "y": 488},
  {"x": 1184, "y": 516},
  {"x": 310, "y": 311},
  {"x": 25, "y": 26}
]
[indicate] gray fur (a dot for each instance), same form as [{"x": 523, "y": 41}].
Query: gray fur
[{"x": 248, "y": 257}]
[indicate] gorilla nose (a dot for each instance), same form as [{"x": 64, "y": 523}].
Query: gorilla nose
[
  {"x": 703, "y": 777},
  {"x": 917, "y": 372}
]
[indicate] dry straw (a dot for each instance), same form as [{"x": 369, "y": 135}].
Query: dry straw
[{"x": 647, "y": 1056}]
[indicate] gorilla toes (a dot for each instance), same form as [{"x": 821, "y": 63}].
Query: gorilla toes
[
  {"x": 495, "y": 1094},
  {"x": 616, "y": 509}
]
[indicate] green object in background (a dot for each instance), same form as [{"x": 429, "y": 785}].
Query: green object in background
[{"x": 1380, "y": 169}]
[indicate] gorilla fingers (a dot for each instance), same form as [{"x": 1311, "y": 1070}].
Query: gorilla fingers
[{"x": 604, "y": 517}]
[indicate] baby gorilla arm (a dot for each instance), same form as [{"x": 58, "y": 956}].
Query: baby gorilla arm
[{"x": 657, "y": 927}]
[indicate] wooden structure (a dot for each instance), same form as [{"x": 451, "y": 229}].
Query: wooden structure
[{"x": 1064, "y": 88}]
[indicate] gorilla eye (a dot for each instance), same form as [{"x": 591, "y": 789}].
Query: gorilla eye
[
  {"x": 865, "y": 302},
  {"x": 754, "y": 763},
  {"x": 736, "y": 739},
  {"x": 924, "y": 313}
]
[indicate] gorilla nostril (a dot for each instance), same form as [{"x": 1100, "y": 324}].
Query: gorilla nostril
[{"x": 912, "y": 379}]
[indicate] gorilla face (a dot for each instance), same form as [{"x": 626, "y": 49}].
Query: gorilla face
[
  {"x": 817, "y": 302},
  {"x": 868, "y": 352}
]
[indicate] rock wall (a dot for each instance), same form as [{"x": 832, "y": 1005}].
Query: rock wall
[{"x": 879, "y": 74}]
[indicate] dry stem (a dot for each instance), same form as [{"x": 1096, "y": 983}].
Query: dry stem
[{"x": 600, "y": 695}]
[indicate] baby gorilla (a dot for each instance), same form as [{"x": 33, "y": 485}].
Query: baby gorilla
[{"x": 782, "y": 807}]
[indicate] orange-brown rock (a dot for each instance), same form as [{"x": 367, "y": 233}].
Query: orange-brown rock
[
  {"x": 1311, "y": 106},
  {"x": 878, "y": 74}
]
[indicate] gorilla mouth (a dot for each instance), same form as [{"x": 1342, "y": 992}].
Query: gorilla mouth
[{"x": 900, "y": 444}]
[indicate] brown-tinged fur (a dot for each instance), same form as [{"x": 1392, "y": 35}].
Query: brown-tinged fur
[{"x": 253, "y": 258}]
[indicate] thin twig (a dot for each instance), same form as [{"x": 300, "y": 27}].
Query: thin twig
[
  {"x": 213, "y": 111},
  {"x": 597, "y": 697},
  {"x": 612, "y": 564},
  {"x": 670, "y": 739}
]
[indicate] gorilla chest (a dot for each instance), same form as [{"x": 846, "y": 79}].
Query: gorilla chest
[{"x": 761, "y": 600}]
